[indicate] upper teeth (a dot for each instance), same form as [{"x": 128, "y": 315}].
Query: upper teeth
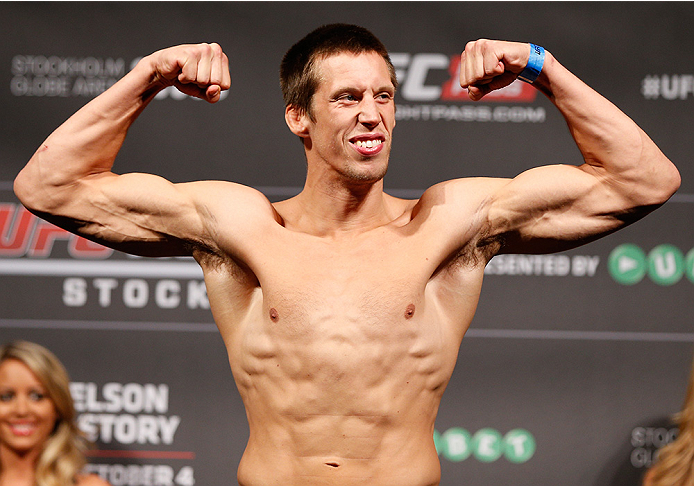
[{"x": 367, "y": 143}]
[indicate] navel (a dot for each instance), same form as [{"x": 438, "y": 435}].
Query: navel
[
  {"x": 409, "y": 311},
  {"x": 274, "y": 315}
]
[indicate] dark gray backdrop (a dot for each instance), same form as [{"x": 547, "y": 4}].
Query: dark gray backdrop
[{"x": 586, "y": 352}]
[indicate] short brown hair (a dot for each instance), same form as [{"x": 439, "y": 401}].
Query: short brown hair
[{"x": 298, "y": 76}]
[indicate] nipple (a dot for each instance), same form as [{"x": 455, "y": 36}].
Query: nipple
[
  {"x": 409, "y": 312},
  {"x": 274, "y": 315}
]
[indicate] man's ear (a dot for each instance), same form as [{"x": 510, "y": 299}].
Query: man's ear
[{"x": 297, "y": 121}]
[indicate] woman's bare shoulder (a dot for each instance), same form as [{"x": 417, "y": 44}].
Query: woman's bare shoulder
[
  {"x": 648, "y": 478},
  {"x": 91, "y": 480}
]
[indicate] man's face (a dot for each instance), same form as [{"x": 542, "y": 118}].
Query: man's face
[{"x": 353, "y": 117}]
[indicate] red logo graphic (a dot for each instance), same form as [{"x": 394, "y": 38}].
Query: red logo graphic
[{"x": 22, "y": 233}]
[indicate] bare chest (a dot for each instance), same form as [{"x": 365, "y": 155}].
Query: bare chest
[
  {"x": 328, "y": 314},
  {"x": 359, "y": 281},
  {"x": 339, "y": 315},
  {"x": 308, "y": 286}
]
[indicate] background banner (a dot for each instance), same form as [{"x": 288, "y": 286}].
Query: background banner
[{"x": 575, "y": 361}]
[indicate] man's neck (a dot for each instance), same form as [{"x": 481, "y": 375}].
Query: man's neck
[{"x": 337, "y": 209}]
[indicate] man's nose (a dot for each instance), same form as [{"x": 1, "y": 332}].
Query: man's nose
[{"x": 369, "y": 114}]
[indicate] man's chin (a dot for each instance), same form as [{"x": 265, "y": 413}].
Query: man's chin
[
  {"x": 367, "y": 176},
  {"x": 368, "y": 171}
]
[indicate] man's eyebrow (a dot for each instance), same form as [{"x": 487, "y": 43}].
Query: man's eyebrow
[{"x": 351, "y": 89}]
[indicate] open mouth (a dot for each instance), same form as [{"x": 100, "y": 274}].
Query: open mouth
[
  {"x": 368, "y": 145},
  {"x": 22, "y": 430}
]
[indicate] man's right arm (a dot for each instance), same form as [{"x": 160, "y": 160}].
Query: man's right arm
[{"x": 69, "y": 181}]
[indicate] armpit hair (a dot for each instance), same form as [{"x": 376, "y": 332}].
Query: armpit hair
[
  {"x": 477, "y": 251},
  {"x": 221, "y": 263}
]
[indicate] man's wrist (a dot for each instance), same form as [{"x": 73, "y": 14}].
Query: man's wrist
[
  {"x": 535, "y": 63},
  {"x": 147, "y": 75}
]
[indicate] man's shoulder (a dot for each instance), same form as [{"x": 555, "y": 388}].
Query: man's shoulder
[
  {"x": 470, "y": 184},
  {"x": 224, "y": 199},
  {"x": 454, "y": 216},
  {"x": 224, "y": 189},
  {"x": 469, "y": 193}
]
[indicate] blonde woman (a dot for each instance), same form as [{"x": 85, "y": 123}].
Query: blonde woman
[
  {"x": 40, "y": 445},
  {"x": 675, "y": 463}
]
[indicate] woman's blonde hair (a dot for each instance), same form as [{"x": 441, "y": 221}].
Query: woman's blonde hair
[
  {"x": 675, "y": 463},
  {"x": 62, "y": 457}
]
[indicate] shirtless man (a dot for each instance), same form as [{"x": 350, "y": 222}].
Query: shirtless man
[{"x": 343, "y": 308}]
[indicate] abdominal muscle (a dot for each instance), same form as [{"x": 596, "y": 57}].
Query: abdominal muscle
[
  {"x": 346, "y": 442},
  {"x": 330, "y": 450},
  {"x": 341, "y": 398}
]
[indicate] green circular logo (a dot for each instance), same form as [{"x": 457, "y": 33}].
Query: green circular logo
[
  {"x": 437, "y": 442},
  {"x": 519, "y": 446},
  {"x": 627, "y": 264},
  {"x": 665, "y": 264},
  {"x": 487, "y": 445},
  {"x": 455, "y": 444},
  {"x": 689, "y": 265}
]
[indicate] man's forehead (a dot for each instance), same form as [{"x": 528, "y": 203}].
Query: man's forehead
[{"x": 347, "y": 66}]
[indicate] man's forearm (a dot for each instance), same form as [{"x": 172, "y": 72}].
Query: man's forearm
[
  {"x": 611, "y": 143},
  {"x": 88, "y": 142}
]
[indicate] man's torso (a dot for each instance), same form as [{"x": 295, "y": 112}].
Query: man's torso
[{"x": 341, "y": 348}]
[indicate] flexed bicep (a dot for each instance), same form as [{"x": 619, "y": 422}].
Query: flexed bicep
[
  {"x": 558, "y": 207},
  {"x": 624, "y": 175},
  {"x": 136, "y": 213},
  {"x": 69, "y": 179}
]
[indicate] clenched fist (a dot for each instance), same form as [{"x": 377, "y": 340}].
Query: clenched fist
[
  {"x": 488, "y": 65},
  {"x": 199, "y": 70}
]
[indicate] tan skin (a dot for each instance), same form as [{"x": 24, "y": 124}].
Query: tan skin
[
  {"x": 343, "y": 308},
  {"x": 27, "y": 418}
]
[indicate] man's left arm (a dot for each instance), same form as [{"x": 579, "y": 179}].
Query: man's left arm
[{"x": 555, "y": 207}]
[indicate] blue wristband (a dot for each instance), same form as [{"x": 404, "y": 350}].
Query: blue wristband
[{"x": 534, "y": 67}]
